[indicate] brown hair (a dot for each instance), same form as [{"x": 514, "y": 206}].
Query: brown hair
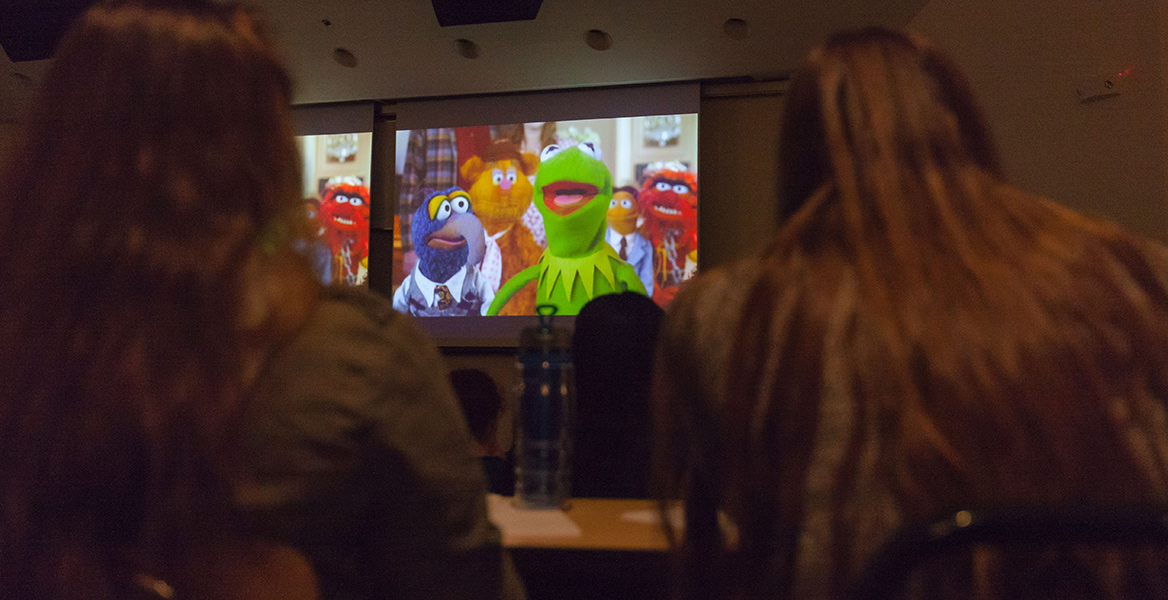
[
  {"x": 515, "y": 134},
  {"x": 993, "y": 347},
  {"x": 502, "y": 149},
  {"x": 145, "y": 232}
]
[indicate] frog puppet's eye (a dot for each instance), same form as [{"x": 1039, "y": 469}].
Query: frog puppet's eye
[
  {"x": 590, "y": 149},
  {"x": 549, "y": 152}
]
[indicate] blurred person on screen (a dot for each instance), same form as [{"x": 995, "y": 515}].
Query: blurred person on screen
[
  {"x": 919, "y": 338},
  {"x": 532, "y": 138},
  {"x": 146, "y": 226}
]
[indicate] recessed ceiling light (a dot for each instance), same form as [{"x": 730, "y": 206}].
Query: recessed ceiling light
[
  {"x": 736, "y": 29},
  {"x": 344, "y": 58},
  {"x": 466, "y": 48},
  {"x": 597, "y": 39}
]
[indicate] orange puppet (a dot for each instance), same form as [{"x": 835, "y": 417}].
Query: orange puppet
[{"x": 501, "y": 193}]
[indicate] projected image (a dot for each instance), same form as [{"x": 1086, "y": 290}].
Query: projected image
[
  {"x": 493, "y": 220},
  {"x": 336, "y": 202}
]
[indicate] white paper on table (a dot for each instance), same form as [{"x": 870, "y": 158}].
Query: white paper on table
[
  {"x": 677, "y": 520},
  {"x": 652, "y": 516},
  {"x": 524, "y": 522}
]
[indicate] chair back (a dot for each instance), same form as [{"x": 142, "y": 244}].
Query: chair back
[{"x": 1058, "y": 532}]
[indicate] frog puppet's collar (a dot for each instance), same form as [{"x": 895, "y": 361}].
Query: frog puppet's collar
[{"x": 585, "y": 267}]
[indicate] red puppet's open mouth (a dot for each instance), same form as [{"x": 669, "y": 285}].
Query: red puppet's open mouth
[
  {"x": 344, "y": 223},
  {"x": 666, "y": 210},
  {"x": 565, "y": 197}
]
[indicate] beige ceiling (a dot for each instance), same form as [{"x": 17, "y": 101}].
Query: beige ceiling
[{"x": 402, "y": 52}]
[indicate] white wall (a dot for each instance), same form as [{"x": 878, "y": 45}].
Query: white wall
[{"x": 1025, "y": 59}]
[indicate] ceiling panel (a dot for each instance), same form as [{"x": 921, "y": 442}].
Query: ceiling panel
[{"x": 402, "y": 51}]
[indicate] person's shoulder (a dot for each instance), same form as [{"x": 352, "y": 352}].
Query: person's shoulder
[
  {"x": 1146, "y": 261},
  {"x": 717, "y": 287},
  {"x": 354, "y": 320},
  {"x": 355, "y": 340},
  {"x": 1094, "y": 240},
  {"x": 706, "y": 308},
  {"x": 356, "y": 302}
]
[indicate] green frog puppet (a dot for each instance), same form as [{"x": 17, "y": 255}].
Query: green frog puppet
[{"x": 572, "y": 191}]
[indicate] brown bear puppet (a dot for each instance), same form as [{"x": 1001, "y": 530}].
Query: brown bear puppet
[{"x": 501, "y": 193}]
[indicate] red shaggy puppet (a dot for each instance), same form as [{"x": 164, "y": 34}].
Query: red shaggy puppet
[
  {"x": 669, "y": 204},
  {"x": 344, "y": 214}
]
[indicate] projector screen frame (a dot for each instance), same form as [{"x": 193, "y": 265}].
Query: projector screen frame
[{"x": 475, "y": 333}]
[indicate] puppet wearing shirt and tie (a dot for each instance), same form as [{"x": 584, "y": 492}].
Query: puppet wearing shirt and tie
[
  {"x": 449, "y": 240},
  {"x": 622, "y": 234}
]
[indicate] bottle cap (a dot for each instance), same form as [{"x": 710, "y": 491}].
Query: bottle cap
[{"x": 545, "y": 336}]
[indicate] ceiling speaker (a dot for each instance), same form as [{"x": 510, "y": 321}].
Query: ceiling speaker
[{"x": 477, "y": 12}]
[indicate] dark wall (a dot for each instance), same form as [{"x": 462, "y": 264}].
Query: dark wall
[{"x": 738, "y": 139}]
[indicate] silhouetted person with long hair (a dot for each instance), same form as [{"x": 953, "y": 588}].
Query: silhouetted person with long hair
[
  {"x": 919, "y": 338},
  {"x": 146, "y": 221},
  {"x": 613, "y": 347}
]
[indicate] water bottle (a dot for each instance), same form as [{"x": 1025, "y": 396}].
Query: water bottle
[{"x": 543, "y": 420}]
